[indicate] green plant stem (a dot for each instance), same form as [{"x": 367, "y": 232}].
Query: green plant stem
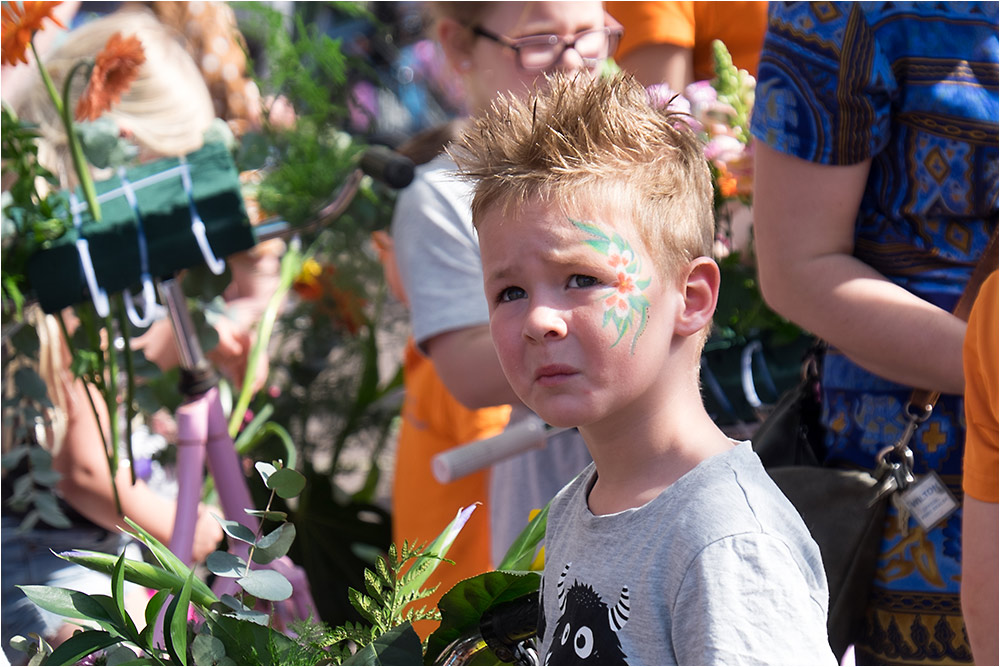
[
  {"x": 111, "y": 401},
  {"x": 76, "y": 149},
  {"x": 90, "y": 399},
  {"x": 291, "y": 264},
  {"x": 129, "y": 384}
]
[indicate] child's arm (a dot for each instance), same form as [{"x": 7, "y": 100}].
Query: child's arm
[
  {"x": 86, "y": 483},
  {"x": 467, "y": 363}
]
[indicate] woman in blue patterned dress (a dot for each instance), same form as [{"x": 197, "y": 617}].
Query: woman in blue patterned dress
[{"x": 876, "y": 192}]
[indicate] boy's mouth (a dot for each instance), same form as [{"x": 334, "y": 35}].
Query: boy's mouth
[{"x": 554, "y": 374}]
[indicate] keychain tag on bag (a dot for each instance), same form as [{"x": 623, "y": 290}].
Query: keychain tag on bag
[{"x": 929, "y": 500}]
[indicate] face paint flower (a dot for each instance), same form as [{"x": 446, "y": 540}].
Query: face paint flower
[
  {"x": 116, "y": 67},
  {"x": 20, "y": 21},
  {"x": 625, "y": 304}
]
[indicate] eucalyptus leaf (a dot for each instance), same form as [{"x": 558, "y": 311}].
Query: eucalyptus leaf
[
  {"x": 270, "y": 515},
  {"x": 287, "y": 483},
  {"x": 207, "y": 650},
  {"x": 11, "y": 459},
  {"x": 266, "y": 585},
  {"x": 103, "y": 145},
  {"x": 225, "y": 564},
  {"x": 46, "y": 477},
  {"x": 265, "y": 470},
  {"x": 120, "y": 655},
  {"x": 30, "y": 384},
  {"x": 50, "y": 512},
  {"x": 274, "y": 545},
  {"x": 235, "y": 530}
]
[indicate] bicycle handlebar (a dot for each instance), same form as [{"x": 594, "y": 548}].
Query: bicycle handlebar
[
  {"x": 501, "y": 629},
  {"x": 466, "y": 459},
  {"x": 381, "y": 163}
]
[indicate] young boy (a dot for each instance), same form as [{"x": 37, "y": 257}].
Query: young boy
[{"x": 594, "y": 214}]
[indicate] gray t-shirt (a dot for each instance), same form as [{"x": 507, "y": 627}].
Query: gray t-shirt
[
  {"x": 717, "y": 569},
  {"x": 437, "y": 252}
]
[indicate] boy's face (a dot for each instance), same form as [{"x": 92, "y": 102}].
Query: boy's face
[{"x": 582, "y": 323}]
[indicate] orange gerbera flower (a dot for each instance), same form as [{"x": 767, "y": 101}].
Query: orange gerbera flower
[
  {"x": 115, "y": 68},
  {"x": 19, "y": 23}
]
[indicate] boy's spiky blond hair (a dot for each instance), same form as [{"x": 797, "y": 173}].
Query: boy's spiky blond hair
[{"x": 599, "y": 145}]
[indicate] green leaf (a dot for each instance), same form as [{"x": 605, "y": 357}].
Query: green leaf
[
  {"x": 176, "y": 621},
  {"x": 80, "y": 645},
  {"x": 286, "y": 482},
  {"x": 463, "y": 606},
  {"x": 118, "y": 595},
  {"x": 153, "y": 608},
  {"x": 266, "y": 585},
  {"x": 235, "y": 530},
  {"x": 142, "y": 573},
  {"x": 225, "y": 564},
  {"x": 275, "y": 544},
  {"x": 436, "y": 551},
  {"x": 207, "y": 650},
  {"x": 521, "y": 553},
  {"x": 69, "y": 603},
  {"x": 398, "y": 646},
  {"x": 165, "y": 556}
]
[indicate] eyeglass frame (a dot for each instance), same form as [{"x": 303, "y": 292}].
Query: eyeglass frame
[{"x": 516, "y": 45}]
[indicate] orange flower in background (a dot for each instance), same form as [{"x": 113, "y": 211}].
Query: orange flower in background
[
  {"x": 727, "y": 184},
  {"x": 19, "y": 23},
  {"x": 116, "y": 67}
]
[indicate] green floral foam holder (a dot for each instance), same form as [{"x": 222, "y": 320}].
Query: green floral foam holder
[{"x": 152, "y": 218}]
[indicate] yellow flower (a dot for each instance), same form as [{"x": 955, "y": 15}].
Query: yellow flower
[
  {"x": 116, "y": 67},
  {"x": 19, "y": 23}
]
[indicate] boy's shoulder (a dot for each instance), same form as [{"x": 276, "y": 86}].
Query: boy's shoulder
[{"x": 725, "y": 495}]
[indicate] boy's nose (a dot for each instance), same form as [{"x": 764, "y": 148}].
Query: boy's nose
[{"x": 544, "y": 323}]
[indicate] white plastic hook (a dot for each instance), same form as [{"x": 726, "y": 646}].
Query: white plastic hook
[
  {"x": 215, "y": 265},
  {"x": 97, "y": 293},
  {"x": 153, "y": 310}
]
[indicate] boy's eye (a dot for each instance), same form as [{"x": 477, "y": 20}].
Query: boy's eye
[
  {"x": 580, "y": 281},
  {"x": 510, "y": 294}
]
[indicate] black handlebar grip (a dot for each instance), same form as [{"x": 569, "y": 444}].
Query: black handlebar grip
[
  {"x": 505, "y": 625},
  {"x": 388, "y": 166}
]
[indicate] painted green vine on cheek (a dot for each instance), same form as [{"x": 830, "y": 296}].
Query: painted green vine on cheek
[{"x": 625, "y": 303}]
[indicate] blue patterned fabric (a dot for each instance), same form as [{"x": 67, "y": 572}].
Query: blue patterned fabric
[{"x": 913, "y": 87}]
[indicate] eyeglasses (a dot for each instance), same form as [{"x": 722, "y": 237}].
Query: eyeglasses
[{"x": 539, "y": 52}]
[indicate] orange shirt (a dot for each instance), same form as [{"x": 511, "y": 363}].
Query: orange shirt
[
  {"x": 434, "y": 421},
  {"x": 740, "y": 25},
  {"x": 980, "y": 359}
]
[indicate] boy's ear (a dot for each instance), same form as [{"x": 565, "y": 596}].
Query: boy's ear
[
  {"x": 700, "y": 293},
  {"x": 456, "y": 42}
]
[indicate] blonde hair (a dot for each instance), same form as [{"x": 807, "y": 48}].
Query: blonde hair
[
  {"x": 167, "y": 108},
  {"x": 601, "y": 143}
]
